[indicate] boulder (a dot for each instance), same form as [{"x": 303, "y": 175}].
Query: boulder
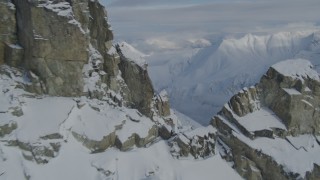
[
  {"x": 136, "y": 140},
  {"x": 94, "y": 145}
]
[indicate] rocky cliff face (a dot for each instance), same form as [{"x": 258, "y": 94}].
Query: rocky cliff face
[
  {"x": 294, "y": 96},
  {"x": 67, "y": 46},
  {"x": 64, "y": 48},
  {"x": 8, "y": 27},
  {"x": 279, "y": 116}
]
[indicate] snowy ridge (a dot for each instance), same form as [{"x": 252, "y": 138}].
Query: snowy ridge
[
  {"x": 133, "y": 54},
  {"x": 42, "y": 134},
  {"x": 297, "y": 68},
  {"x": 217, "y": 72}
]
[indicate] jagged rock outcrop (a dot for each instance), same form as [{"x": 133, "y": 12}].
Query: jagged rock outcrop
[
  {"x": 199, "y": 143},
  {"x": 162, "y": 104},
  {"x": 260, "y": 124},
  {"x": 246, "y": 101},
  {"x": 294, "y": 95},
  {"x": 139, "y": 84}
]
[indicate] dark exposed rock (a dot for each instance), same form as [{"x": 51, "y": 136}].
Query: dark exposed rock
[
  {"x": 36, "y": 151},
  {"x": 264, "y": 133},
  {"x": 162, "y": 104},
  {"x": 315, "y": 174},
  {"x": 199, "y": 144},
  {"x": 7, "y": 128},
  {"x": 165, "y": 133},
  {"x": 139, "y": 84},
  {"x": 55, "y": 45},
  {"x": 246, "y": 101},
  {"x": 136, "y": 140},
  {"x": 97, "y": 146},
  {"x": 8, "y": 26},
  {"x": 13, "y": 54}
]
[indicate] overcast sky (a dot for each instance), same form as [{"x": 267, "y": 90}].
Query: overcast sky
[{"x": 141, "y": 19}]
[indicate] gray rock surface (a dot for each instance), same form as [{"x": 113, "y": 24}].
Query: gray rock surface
[
  {"x": 139, "y": 84},
  {"x": 8, "y": 26},
  {"x": 199, "y": 143},
  {"x": 162, "y": 104},
  {"x": 55, "y": 45},
  {"x": 13, "y": 54},
  {"x": 295, "y": 101},
  {"x": 293, "y": 98}
]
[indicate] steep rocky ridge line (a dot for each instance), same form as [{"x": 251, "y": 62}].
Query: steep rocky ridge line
[{"x": 261, "y": 124}]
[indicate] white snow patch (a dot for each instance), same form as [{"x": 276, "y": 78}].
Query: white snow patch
[
  {"x": 297, "y": 68},
  {"x": 261, "y": 119},
  {"x": 42, "y": 117},
  {"x": 15, "y": 46},
  {"x": 291, "y": 91},
  {"x": 294, "y": 160},
  {"x": 164, "y": 96},
  {"x": 112, "y": 51},
  {"x": 307, "y": 89},
  {"x": 306, "y": 141},
  {"x": 307, "y": 103}
]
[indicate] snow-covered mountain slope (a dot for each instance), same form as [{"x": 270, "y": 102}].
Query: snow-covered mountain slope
[
  {"x": 201, "y": 85},
  {"x": 46, "y": 137},
  {"x": 274, "y": 122}
]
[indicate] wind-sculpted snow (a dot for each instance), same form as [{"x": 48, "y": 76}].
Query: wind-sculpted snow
[{"x": 216, "y": 72}]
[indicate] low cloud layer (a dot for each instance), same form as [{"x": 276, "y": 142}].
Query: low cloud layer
[
  {"x": 171, "y": 32},
  {"x": 207, "y": 18}
]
